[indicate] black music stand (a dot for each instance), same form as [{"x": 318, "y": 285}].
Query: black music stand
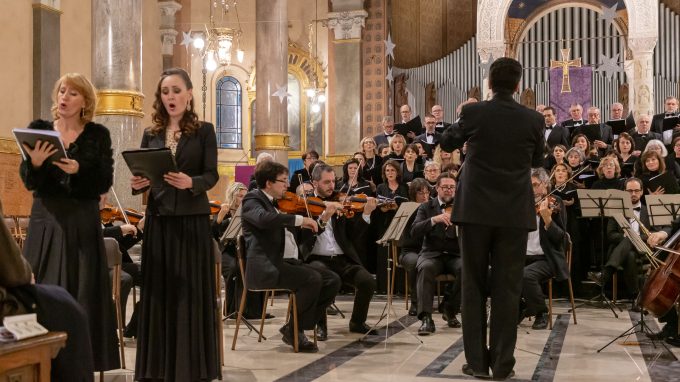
[
  {"x": 663, "y": 209},
  {"x": 640, "y": 326},
  {"x": 390, "y": 239},
  {"x": 604, "y": 203},
  {"x": 232, "y": 233}
]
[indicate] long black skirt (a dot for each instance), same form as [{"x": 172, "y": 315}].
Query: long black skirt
[
  {"x": 65, "y": 247},
  {"x": 177, "y": 337}
]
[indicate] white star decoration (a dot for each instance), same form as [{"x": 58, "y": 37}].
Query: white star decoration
[
  {"x": 486, "y": 66},
  {"x": 389, "y": 76},
  {"x": 610, "y": 66},
  {"x": 609, "y": 14},
  {"x": 281, "y": 92},
  {"x": 389, "y": 46},
  {"x": 187, "y": 39}
]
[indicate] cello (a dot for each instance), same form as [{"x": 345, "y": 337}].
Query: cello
[{"x": 662, "y": 288}]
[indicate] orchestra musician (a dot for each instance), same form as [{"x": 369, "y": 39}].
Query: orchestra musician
[
  {"x": 308, "y": 158},
  {"x": 64, "y": 243},
  {"x": 494, "y": 221},
  {"x": 439, "y": 254},
  {"x": 177, "y": 318}
]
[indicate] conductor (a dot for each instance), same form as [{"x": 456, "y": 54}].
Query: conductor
[{"x": 494, "y": 207}]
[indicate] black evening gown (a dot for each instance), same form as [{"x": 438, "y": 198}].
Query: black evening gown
[
  {"x": 177, "y": 329},
  {"x": 64, "y": 243}
]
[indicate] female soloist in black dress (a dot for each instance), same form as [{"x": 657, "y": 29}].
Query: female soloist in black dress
[
  {"x": 64, "y": 243},
  {"x": 177, "y": 338}
]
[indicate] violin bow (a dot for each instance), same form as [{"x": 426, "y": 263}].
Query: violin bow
[
  {"x": 304, "y": 194},
  {"x": 120, "y": 207},
  {"x": 582, "y": 169}
]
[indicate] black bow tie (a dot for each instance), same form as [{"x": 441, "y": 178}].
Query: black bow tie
[
  {"x": 669, "y": 115},
  {"x": 275, "y": 203},
  {"x": 636, "y": 209},
  {"x": 430, "y": 134},
  {"x": 445, "y": 206},
  {"x": 389, "y": 135},
  {"x": 548, "y": 127}
]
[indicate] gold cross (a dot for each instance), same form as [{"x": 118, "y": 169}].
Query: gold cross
[{"x": 565, "y": 64}]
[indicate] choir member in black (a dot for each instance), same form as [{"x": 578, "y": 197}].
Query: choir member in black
[
  {"x": 397, "y": 147},
  {"x": 383, "y": 151},
  {"x": 576, "y": 113},
  {"x": 556, "y": 157},
  {"x": 443, "y": 157},
  {"x": 371, "y": 168},
  {"x": 438, "y": 113},
  {"x": 409, "y": 246},
  {"x": 623, "y": 255},
  {"x": 431, "y": 173},
  {"x": 675, "y": 155},
  {"x": 386, "y": 136},
  {"x": 669, "y": 160},
  {"x": 54, "y": 307},
  {"x": 393, "y": 186},
  {"x": 230, "y": 268},
  {"x": 64, "y": 244},
  {"x": 642, "y": 135},
  {"x": 352, "y": 182},
  {"x": 177, "y": 319},
  {"x": 545, "y": 251},
  {"x": 653, "y": 165},
  {"x": 625, "y": 146},
  {"x": 670, "y": 110},
  {"x": 440, "y": 254},
  {"x": 581, "y": 142},
  {"x": 606, "y": 135},
  {"x": 333, "y": 248},
  {"x": 566, "y": 190},
  {"x": 576, "y": 161},
  {"x": 411, "y": 167},
  {"x": 308, "y": 158},
  {"x": 430, "y": 138},
  {"x": 609, "y": 173},
  {"x": 554, "y": 134}
]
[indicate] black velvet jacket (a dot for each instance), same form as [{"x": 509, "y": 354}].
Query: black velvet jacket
[{"x": 92, "y": 150}]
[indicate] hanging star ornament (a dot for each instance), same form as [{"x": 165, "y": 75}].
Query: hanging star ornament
[
  {"x": 609, "y": 66},
  {"x": 389, "y": 46},
  {"x": 486, "y": 66},
  {"x": 187, "y": 39},
  {"x": 281, "y": 92},
  {"x": 609, "y": 14},
  {"x": 389, "y": 76}
]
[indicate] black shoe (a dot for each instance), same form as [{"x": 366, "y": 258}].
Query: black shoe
[
  {"x": 322, "y": 329},
  {"x": 673, "y": 340},
  {"x": 427, "y": 327},
  {"x": 331, "y": 311},
  {"x": 541, "y": 321},
  {"x": 510, "y": 375},
  {"x": 413, "y": 310},
  {"x": 467, "y": 370},
  {"x": 664, "y": 333},
  {"x": 130, "y": 331},
  {"x": 304, "y": 344},
  {"x": 451, "y": 320},
  {"x": 362, "y": 328}
]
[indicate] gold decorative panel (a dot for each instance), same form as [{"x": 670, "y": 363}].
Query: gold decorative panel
[{"x": 374, "y": 68}]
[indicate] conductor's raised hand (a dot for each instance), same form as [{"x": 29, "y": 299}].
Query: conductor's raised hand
[
  {"x": 309, "y": 223},
  {"x": 138, "y": 182},
  {"x": 179, "y": 180},
  {"x": 40, "y": 152},
  {"x": 69, "y": 166}
]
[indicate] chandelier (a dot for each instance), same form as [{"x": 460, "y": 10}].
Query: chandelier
[{"x": 217, "y": 50}]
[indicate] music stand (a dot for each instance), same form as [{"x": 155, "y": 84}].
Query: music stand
[
  {"x": 232, "y": 233},
  {"x": 390, "y": 239},
  {"x": 604, "y": 203},
  {"x": 663, "y": 209}
]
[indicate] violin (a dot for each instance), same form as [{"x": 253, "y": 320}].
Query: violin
[
  {"x": 215, "y": 206},
  {"x": 109, "y": 214},
  {"x": 291, "y": 203},
  {"x": 553, "y": 204},
  {"x": 356, "y": 203}
]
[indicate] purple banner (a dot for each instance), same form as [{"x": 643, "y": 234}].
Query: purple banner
[
  {"x": 581, "y": 81},
  {"x": 243, "y": 173}
]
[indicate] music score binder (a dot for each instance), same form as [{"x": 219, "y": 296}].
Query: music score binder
[
  {"x": 150, "y": 163},
  {"x": 31, "y": 136},
  {"x": 618, "y": 126}
]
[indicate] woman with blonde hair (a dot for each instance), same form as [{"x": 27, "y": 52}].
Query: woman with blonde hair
[
  {"x": 397, "y": 147},
  {"x": 370, "y": 171},
  {"x": 442, "y": 157}
]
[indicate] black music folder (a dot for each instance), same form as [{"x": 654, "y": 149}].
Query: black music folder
[
  {"x": 415, "y": 126},
  {"x": 670, "y": 122},
  {"x": 618, "y": 126},
  {"x": 150, "y": 163},
  {"x": 590, "y": 131},
  {"x": 31, "y": 136},
  {"x": 566, "y": 195},
  {"x": 666, "y": 180}
]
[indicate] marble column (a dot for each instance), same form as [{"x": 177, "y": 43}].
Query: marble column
[
  {"x": 641, "y": 91},
  {"x": 167, "y": 29},
  {"x": 494, "y": 51},
  {"x": 346, "y": 20},
  {"x": 46, "y": 55},
  {"x": 117, "y": 75},
  {"x": 271, "y": 60}
]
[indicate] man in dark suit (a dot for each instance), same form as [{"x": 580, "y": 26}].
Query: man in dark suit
[
  {"x": 576, "y": 113},
  {"x": 430, "y": 138},
  {"x": 385, "y": 137},
  {"x": 642, "y": 135},
  {"x": 438, "y": 113},
  {"x": 623, "y": 256},
  {"x": 333, "y": 248},
  {"x": 268, "y": 242},
  {"x": 554, "y": 134},
  {"x": 606, "y": 137},
  {"x": 439, "y": 255},
  {"x": 494, "y": 207},
  {"x": 308, "y": 159},
  {"x": 670, "y": 110},
  {"x": 545, "y": 252}
]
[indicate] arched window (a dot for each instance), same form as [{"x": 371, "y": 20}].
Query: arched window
[{"x": 229, "y": 124}]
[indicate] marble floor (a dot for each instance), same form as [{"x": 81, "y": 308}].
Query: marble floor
[{"x": 567, "y": 353}]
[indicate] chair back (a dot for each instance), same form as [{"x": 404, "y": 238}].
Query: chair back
[
  {"x": 241, "y": 256},
  {"x": 567, "y": 252},
  {"x": 113, "y": 255},
  {"x": 217, "y": 253}
]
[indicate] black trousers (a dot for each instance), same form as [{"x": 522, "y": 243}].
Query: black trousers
[
  {"x": 353, "y": 275},
  {"x": 330, "y": 286},
  {"x": 232, "y": 278},
  {"x": 536, "y": 271},
  {"x": 408, "y": 260},
  {"x": 493, "y": 262},
  {"x": 624, "y": 258},
  {"x": 428, "y": 269}
]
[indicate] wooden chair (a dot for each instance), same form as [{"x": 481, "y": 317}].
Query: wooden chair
[
  {"x": 11, "y": 223},
  {"x": 292, "y": 303},
  {"x": 568, "y": 254},
  {"x": 22, "y": 229},
  {"x": 115, "y": 260},
  {"x": 395, "y": 261},
  {"x": 217, "y": 258}
]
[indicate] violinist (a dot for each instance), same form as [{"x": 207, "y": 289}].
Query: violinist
[
  {"x": 545, "y": 251},
  {"x": 308, "y": 159},
  {"x": 623, "y": 256},
  {"x": 333, "y": 248},
  {"x": 440, "y": 254}
]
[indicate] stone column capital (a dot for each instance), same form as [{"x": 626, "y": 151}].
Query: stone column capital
[
  {"x": 641, "y": 45},
  {"x": 168, "y": 10},
  {"x": 496, "y": 50},
  {"x": 347, "y": 24},
  {"x": 168, "y": 40}
]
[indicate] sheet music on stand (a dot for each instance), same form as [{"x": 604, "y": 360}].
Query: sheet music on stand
[
  {"x": 398, "y": 223},
  {"x": 663, "y": 209},
  {"x": 634, "y": 238},
  {"x": 611, "y": 201},
  {"x": 233, "y": 229}
]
